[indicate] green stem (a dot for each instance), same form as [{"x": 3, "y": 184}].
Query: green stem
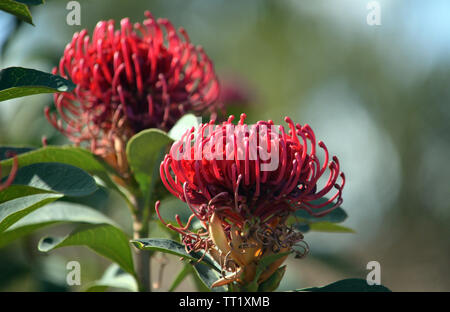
[{"x": 142, "y": 257}]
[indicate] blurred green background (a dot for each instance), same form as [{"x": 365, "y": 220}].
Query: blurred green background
[{"x": 378, "y": 96}]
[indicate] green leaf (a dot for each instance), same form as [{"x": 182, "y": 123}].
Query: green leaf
[
  {"x": 182, "y": 125},
  {"x": 75, "y": 156},
  {"x": 302, "y": 220},
  {"x": 105, "y": 239},
  {"x": 174, "y": 248},
  {"x": 114, "y": 277},
  {"x": 272, "y": 283},
  {"x": 18, "y": 81},
  {"x": 338, "y": 215},
  {"x": 54, "y": 213},
  {"x": 264, "y": 263},
  {"x": 145, "y": 151},
  {"x": 330, "y": 227},
  {"x": 14, "y": 210},
  {"x": 208, "y": 276},
  {"x": 348, "y": 285},
  {"x": 31, "y": 2},
  {"x": 16, "y": 191},
  {"x": 4, "y": 150},
  {"x": 39, "y": 184},
  {"x": 56, "y": 177},
  {"x": 18, "y": 9}
]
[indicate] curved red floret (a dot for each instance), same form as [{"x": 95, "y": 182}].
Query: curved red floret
[
  {"x": 262, "y": 171},
  {"x": 12, "y": 173}
]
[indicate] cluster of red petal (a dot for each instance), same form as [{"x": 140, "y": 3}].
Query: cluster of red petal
[
  {"x": 237, "y": 189},
  {"x": 141, "y": 76}
]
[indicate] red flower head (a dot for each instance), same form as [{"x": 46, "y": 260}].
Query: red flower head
[
  {"x": 140, "y": 76},
  {"x": 243, "y": 182},
  {"x": 8, "y": 181}
]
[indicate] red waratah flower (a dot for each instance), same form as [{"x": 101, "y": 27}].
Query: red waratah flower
[
  {"x": 243, "y": 182},
  {"x": 139, "y": 76},
  {"x": 12, "y": 173}
]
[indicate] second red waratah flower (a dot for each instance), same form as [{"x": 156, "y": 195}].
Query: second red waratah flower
[
  {"x": 243, "y": 182},
  {"x": 129, "y": 79}
]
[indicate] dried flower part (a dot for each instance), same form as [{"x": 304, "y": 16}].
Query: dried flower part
[
  {"x": 129, "y": 79},
  {"x": 243, "y": 182},
  {"x": 12, "y": 174}
]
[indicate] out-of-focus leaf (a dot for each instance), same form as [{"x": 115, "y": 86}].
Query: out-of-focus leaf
[
  {"x": 182, "y": 125},
  {"x": 302, "y": 220},
  {"x": 20, "y": 10},
  {"x": 114, "y": 277},
  {"x": 348, "y": 285},
  {"x": 18, "y": 82},
  {"x": 172, "y": 206},
  {"x": 330, "y": 227},
  {"x": 54, "y": 213},
  {"x": 338, "y": 215},
  {"x": 105, "y": 239}
]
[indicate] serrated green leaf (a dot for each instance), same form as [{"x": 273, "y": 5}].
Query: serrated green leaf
[
  {"x": 145, "y": 151},
  {"x": 18, "y": 82},
  {"x": 330, "y": 227},
  {"x": 348, "y": 285},
  {"x": 54, "y": 213},
  {"x": 20, "y": 10},
  {"x": 107, "y": 240},
  {"x": 114, "y": 277}
]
